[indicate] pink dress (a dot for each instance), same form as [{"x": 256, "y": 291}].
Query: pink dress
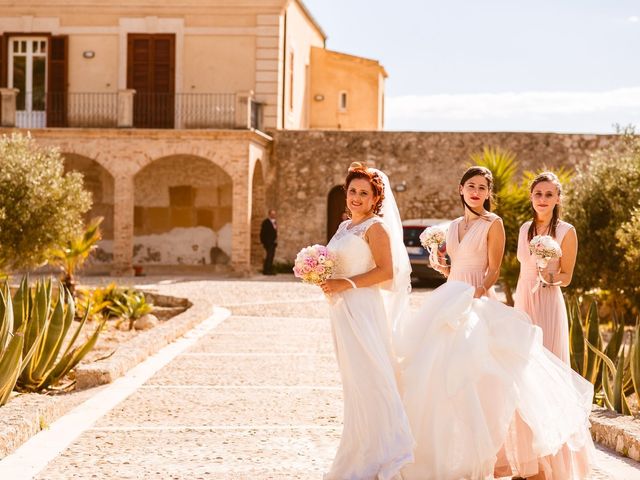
[
  {"x": 546, "y": 306},
  {"x": 469, "y": 264}
]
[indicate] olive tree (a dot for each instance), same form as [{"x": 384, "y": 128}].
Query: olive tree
[
  {"x": 41, "y": 207},
  {"x": 601, "y": 205}
]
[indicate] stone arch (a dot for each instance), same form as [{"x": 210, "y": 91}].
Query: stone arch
[
  {"x": 336, "y": 206},
  {"x": 182, "y": 212},
  {"x": 258, "y": 213},
  {"x": 100, "y": 182}
]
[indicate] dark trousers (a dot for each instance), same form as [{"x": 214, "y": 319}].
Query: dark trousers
[{"x": 267, "y": 268}]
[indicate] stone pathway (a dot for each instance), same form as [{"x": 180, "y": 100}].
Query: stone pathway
[{"x": 257, "y": 397}]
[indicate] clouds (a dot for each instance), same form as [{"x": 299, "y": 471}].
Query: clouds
[
  {"x": 634, "y": 19},
  {"x": 544, "y": 108}
]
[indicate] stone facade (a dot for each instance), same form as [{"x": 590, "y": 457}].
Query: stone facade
[
  {"x": 225, "y": 161},
  {"x": 308, "y": 164}
]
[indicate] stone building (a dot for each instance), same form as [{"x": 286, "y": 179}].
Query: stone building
[{"x": 164, "y": 105}]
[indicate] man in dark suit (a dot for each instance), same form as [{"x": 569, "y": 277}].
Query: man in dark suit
[{"x": 269, "y": 240}]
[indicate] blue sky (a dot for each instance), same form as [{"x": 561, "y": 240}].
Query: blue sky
[{"x": 488, "y": 65}]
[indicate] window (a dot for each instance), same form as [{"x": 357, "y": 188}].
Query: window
[
  {"x": 28, "y": 73},
  {"x": 342, "y": 101}
]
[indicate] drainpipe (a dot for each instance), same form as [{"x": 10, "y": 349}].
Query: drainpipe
[{"x": 284, "y": 72}]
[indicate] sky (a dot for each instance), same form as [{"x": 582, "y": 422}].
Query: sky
[{"x": 496, "y": 65}]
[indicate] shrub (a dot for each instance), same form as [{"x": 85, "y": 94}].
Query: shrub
[
  {"x": 602, "y": 200},
  {"x": 41, "y": 206}
]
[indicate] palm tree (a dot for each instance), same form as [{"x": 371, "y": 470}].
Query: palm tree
[{"x": 75, "y": 252}]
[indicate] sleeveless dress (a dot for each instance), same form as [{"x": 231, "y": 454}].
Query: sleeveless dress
[
  {"x": 469, "y": 260},
  {"x": 484, "y": 398},
  {"x": 546, "y": 306},
  {"x": 376, "y": 439}
]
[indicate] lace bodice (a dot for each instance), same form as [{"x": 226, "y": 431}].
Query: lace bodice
[{"x": 352, "y": 250}]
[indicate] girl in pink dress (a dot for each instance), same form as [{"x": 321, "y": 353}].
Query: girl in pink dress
[
  {"x": 546, "y": 305},
  {"x": 484, "y": 398}
]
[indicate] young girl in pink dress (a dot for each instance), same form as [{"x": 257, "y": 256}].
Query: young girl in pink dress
[{"x": 546, "y": 305}]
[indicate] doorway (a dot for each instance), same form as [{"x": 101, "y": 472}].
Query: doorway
[
  {"x": 151, "y": 73},
  {"x": 28, "y": 73},
  {"x": 336, "y": 207}
]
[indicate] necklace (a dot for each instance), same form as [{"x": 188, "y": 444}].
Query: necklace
[
  {"x": 466, "y": 223},
  {"x": 543, "y": 228}
]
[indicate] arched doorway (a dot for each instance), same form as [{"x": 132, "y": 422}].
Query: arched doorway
[
  {"x": 100, "y": 183},
  {"x": 182, "y": 212},
  {"x": 258, "y": 213},
  {"x": 336, "y": 206}
]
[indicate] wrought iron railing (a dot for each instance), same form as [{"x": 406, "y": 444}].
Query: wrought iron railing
[{"x": 147, "y": 110}]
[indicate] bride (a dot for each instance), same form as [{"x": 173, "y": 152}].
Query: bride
[
  {"x": 484, "y": 398},
  {"x": 376, "y": 439}
]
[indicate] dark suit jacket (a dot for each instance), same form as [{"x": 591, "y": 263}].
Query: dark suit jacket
[{"x": 268, "y": 234}]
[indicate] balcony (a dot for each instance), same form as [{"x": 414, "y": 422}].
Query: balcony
[{"x": 127, "y": 109}]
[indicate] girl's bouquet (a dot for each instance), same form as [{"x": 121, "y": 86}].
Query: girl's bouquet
[
  {"x": 431, "y": 239},
  {"x": 545, "y": 248},
  {"x": 314, "y": 264}
]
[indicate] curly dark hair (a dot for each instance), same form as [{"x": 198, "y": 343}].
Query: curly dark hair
[{"x": 358, "y": 170}]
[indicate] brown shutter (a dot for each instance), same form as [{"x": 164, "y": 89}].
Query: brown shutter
[
  {"x": 57, "y": 71},
  {"x": 150, "y": 71}
]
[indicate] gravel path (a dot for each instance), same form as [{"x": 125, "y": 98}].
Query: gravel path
[{"x": 257, "y": 397}]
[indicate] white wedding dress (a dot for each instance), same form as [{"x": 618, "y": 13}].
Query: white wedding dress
[
  {"x": 376, "y": 439},
  {"x": 485, "y": 399}
]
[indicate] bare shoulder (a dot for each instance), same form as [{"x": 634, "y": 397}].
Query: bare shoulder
[
  {"x": 377, "y": 230},
  {"x": 495, "y": 222}
]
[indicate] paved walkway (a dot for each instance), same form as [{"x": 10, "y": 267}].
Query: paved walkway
[{"x": 255, "y": 397}]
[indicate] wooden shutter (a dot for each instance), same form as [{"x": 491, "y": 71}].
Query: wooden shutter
[
  {"x": 57, "y": 83},
  {"x": 151, "y": 72}
]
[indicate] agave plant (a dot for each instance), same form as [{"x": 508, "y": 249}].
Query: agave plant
[
  {"x": 75, "y": 252},
  {"x": 12, "y": 333},
  {"x": 11, "y": 343},
  {"x": 614, "y": 370},
  {"x": 130, "y": 306},
  {"x": 46, "y": 315}
]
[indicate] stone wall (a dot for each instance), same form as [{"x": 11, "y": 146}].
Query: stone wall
[{"x": 308, "y": 164}]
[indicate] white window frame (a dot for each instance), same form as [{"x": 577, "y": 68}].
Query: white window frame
[{"x": 38, "y": 116}]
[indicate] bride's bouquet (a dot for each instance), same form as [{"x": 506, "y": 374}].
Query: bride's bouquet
[
  {"x": 314, "y": 264},
  {"x": 545, "y": 248}
]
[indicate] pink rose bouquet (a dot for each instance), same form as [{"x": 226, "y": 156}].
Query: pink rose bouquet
[{"x": 314, "y": 264}]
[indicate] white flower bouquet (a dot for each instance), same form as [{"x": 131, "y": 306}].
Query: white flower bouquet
[
  {"x": 545, "y": 248},
  {"x": 432, "y": 237},
  {"x": 314, "y": 264}
]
